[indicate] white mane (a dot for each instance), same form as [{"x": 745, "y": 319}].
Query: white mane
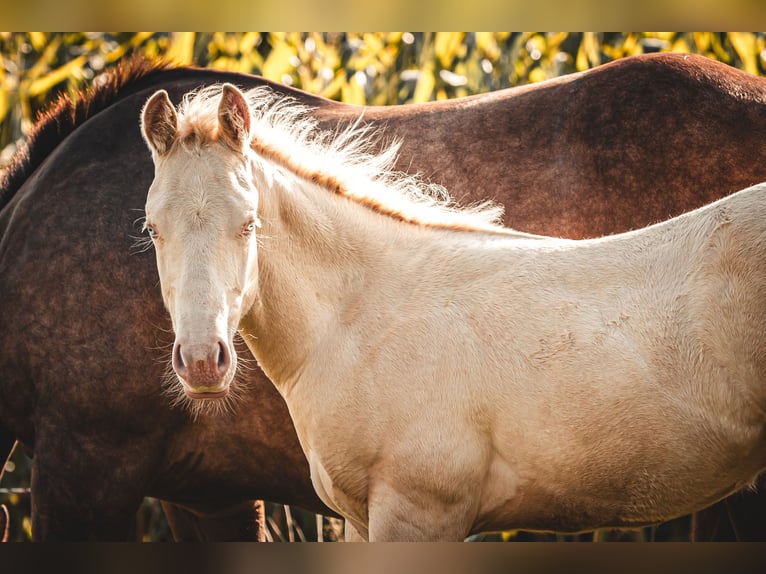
[{"x": 346, "y": 161}]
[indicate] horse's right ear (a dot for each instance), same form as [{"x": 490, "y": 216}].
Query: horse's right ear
[{"x": 159, "y": 123}]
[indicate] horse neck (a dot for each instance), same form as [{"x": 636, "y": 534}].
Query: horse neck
[{"x": 322, "y": 258}]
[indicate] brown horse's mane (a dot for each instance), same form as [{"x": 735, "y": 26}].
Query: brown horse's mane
[{"x": 65, "y": 114}]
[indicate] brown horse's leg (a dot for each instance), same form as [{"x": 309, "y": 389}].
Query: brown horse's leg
[
  {"x": 712, "y": 523},
  {"x": 738, "y": 517},
  {"x": 7, "y": 445},
  {"x": 4, "y": 520},
  {"x": 84, "y": 494},
  {"x": 244, "y": 521}
]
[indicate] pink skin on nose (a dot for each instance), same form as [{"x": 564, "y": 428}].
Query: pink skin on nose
[{"x": 203, "y": 368}]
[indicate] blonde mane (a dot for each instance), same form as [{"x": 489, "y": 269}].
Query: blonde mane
[{"x": 346, "y": 162}]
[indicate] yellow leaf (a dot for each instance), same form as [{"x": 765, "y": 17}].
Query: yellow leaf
[
  {"x": 508, "y": 535},
  {"x": 352, "y": 92},
  {"x": 425, "y": 85},
  {"x": 630, "y": 45},
  {"x": 3, "y": 104},
  {"x": 224, "y": 63},
  {"x": 588, "y": 54},
  {"x": 744, "y": 46},
  {"x": 555, "y": 40},
  {"x": 446, "y": 45},
  {"x": 373, "y": 43},
  {"x": 487, "y": 45},
  {"x": 592, "y": 48},
  {"x": 140, "y": 37},
  {"x": 49, "y": 80},
  {"x": 248, "y": 42},
  {"x": 230, "y": 45},
  {"x": 702, "y": 40},
  {"x": 256, "y": 62},
  {"x": 43, "y": 62},
  {"x": 38, "y": 40},
  {"x": 181, "y": 50},
  {"x": 332, "y": 90},
  {"x": 680, "y": 45},
  {"x": 277, "y": 63},
  {"x": 717, "y": 49},
  {"x": 667, "y": 36},
  {"x": 536, "y": 44},
  {"x": 536, "y": 75},
  {"x": 581, "y": 62}
]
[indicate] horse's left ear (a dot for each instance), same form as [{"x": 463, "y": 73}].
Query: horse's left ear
[
  {"x": 234, "y": 118},
  {"x": 159, "y": 123}
]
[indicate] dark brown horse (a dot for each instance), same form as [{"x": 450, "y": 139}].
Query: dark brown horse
[{"x": 84, "y": 336}]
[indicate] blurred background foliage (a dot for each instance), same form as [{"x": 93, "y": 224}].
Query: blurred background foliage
[{"x": 361, "y": 68}]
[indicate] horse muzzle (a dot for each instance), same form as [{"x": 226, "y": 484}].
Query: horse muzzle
[{"x": 205, "y": 370}]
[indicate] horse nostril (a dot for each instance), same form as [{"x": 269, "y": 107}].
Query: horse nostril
[
  {"x": 178, "y": 361},
  {"x": 224, "y": 359}
]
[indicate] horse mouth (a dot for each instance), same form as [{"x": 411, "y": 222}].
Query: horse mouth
[{"x": 206, "y": 395}]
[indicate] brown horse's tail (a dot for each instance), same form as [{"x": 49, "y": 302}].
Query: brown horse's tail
[{"x": 7, "y": 443}]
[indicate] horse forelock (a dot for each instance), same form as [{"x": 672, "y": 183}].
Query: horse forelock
[
  {"x": 345, "y": 162},
  {"x": 65, "y": 114}
]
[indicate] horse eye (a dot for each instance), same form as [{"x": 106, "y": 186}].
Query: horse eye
[
  {"x": 151, "y": 231},
  {"x": 248, "y": 228}
]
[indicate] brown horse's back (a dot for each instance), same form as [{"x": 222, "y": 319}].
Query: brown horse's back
[{"x": 624, "y": 145}]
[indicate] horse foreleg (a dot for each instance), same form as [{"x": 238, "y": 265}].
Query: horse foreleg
[
  {"x": 351, "y": 534},
  {"x": 78, "y": 495},
  {"x": 243, "y": 521},
  {"x": 398, "y": 515}
]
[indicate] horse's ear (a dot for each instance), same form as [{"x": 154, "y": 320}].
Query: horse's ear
[
  {"x": 159, "y": 123},
  {"x": 234, "y": 118}
]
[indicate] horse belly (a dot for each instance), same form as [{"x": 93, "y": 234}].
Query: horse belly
[{"x": 643, "y": 465}]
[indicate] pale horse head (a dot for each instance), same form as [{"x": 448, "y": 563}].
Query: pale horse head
[{"x": 201, "y": 214}]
